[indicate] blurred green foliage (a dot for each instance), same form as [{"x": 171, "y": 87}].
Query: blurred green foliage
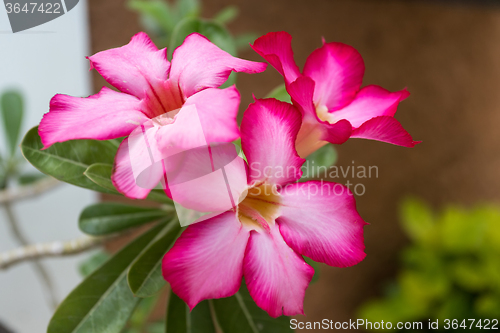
[
  {"x": 12, "y": 112},
  {"x": 170, "y": 22},
  {"x": 450, "y": 271}
]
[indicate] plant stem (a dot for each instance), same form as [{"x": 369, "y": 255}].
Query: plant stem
[
  {"x": 51, "y": 249},
  {"x": 39, "y": 268}
]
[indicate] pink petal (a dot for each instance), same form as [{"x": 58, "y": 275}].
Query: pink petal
[
  {"x": 276, "y": 48},
  {"x": 268, "y": 132},
  {"x": 217, "y": 109},
  {"x": 200, "y": 177},
  {"x": 371, "y": 101},
  {"x": 207, "y": 179},
  {"x": 337, "y": 133},
  {"x": 314, "y": 132},
  {"x": 385, "y": 129},
  {"x": 198, "y": 64},
  {"x": 276, "y": 276},
  {"x": 301, "y": 91},
  {"x": 319, "y": 220},
  {"x": 134, "y": 68},
  {"x": 106, "y": 115},
  {"x": 337, "y": 69},
  {"x": 125, "y": 175},
  {"x": 206, "y": 260}
]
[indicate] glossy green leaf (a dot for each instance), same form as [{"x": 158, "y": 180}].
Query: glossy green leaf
[
  {"x": 142, "y": 313},
  {"x": 100, "y": 174},
  {"x": 67, "y": 161},
  {"x": 181, "y": 320},
  {"x": 145, "y": 275},
  {"x": 214, "y": 31},
  {"x": 280, "y": 94},
  {"x": 12, "y": 116},
  {"x": 227, "y": 14},
  {"x": 103, "y": 302},
  {"x": 92, "y": 263},
  {"x": 107, "y": 218},
  {"x": 240, "y": 314}
]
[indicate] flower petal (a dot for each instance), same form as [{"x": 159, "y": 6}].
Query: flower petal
[
  {"x": 207, "y": 179},
  {"x": 337, "y": 69},
  {"x": 134, "y": 68},
  {"x": 217, "y": 109},
  {"x": 314, "y": 132},
  {"x": 106, "y": 115},
  {"x": 371, "y": 101},
  {"x": 206, "y": 260},
  {"x": 138, "y": 165},
  {"x": 198, "y": 64},
  {"x": 276, "y": 48},
  {"x": 301, "y": 92},
  {"x": 276, "y": 276},
  {"x": 268, "y": 132},
  {"x": 319, "y": 220},
  {"x": 385, "y": 129}
]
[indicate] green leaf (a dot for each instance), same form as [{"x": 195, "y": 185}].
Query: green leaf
[
  {"x": 67, "y": 161},
  {"x": 319, "y": 162},
  {"x": 145, "y": 275},
  {"x": 280, "y": 94},
  {"x": 142, "y": 313},
  {"x": 227, "y": 14},
  {"x": 181, "y": 320},
  {"x": 187, "y": 9},
  {"x": 12, "y": 115},
  {"x": 243, "y": 41},
  {"x": 214, "y": 31},
  {"x": 325, "y": 156},
  {"x": 100, "y": 174},
  {"x": 240, "y": 314},
  {"x": 107, "y": 218},
  {"x": 418, "y": 220},
  {"x": 315, "y": 266},
  {"x": 103, "y": 302},
  {"x": 158, "y": 11},
  {"x": 89, "y": 266},
  {"x": 30, "y": 178}
]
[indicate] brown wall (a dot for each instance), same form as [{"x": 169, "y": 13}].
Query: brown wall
[{"x": 449, "y": 58}]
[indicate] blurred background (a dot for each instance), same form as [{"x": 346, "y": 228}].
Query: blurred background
[{"x": 447, "y": 53}]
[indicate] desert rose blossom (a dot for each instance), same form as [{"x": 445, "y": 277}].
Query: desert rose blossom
[
  {"x": 274, "y": 223},
  {"x": 154, "y": 95},
  {"x": 328, "y": 93}
]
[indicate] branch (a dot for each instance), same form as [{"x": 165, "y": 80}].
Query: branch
[
  {"x": 28, "y": 191},
  {"x": 51, "y": 249}
]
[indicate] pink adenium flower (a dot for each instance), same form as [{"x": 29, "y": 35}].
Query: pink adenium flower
[
  {"x": 328, "y": 93},
  {"x": 151, "y": 91},
  {"x": 274, "y": 223}
]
